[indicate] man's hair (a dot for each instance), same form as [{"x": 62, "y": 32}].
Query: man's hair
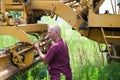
[{"x": 55, "y": 28}]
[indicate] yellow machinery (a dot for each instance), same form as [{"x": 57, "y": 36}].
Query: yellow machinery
[{"x": 82, "y": 15}]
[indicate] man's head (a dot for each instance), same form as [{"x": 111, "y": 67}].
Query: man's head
[{"x": 54, "y": 32}]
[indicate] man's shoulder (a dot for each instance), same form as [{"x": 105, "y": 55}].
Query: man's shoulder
[
  {"x": 60, "y": 42},
  {"x": 54, "y": 45}
]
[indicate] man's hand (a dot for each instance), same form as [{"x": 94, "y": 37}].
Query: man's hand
[
  {"x": 48, "y": 42},
  {"x": 42, "y": 56},
  {"x": 36, "y": 46}
]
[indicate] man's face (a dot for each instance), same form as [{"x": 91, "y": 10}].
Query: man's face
[{"x": 51, "y": 33}]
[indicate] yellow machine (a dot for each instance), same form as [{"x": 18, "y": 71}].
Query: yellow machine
[{"x": 82, "y": 15}]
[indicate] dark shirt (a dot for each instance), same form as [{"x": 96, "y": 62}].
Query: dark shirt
[{"x": 58, "y": 59}]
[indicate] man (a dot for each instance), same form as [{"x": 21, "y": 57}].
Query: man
[{"x": 57, "y": 56}]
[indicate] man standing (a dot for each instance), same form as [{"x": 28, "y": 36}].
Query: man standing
[{"x": 57, "y": 56}]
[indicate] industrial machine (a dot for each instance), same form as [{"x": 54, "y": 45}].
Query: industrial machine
[{"x": 82, "y": 15}]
